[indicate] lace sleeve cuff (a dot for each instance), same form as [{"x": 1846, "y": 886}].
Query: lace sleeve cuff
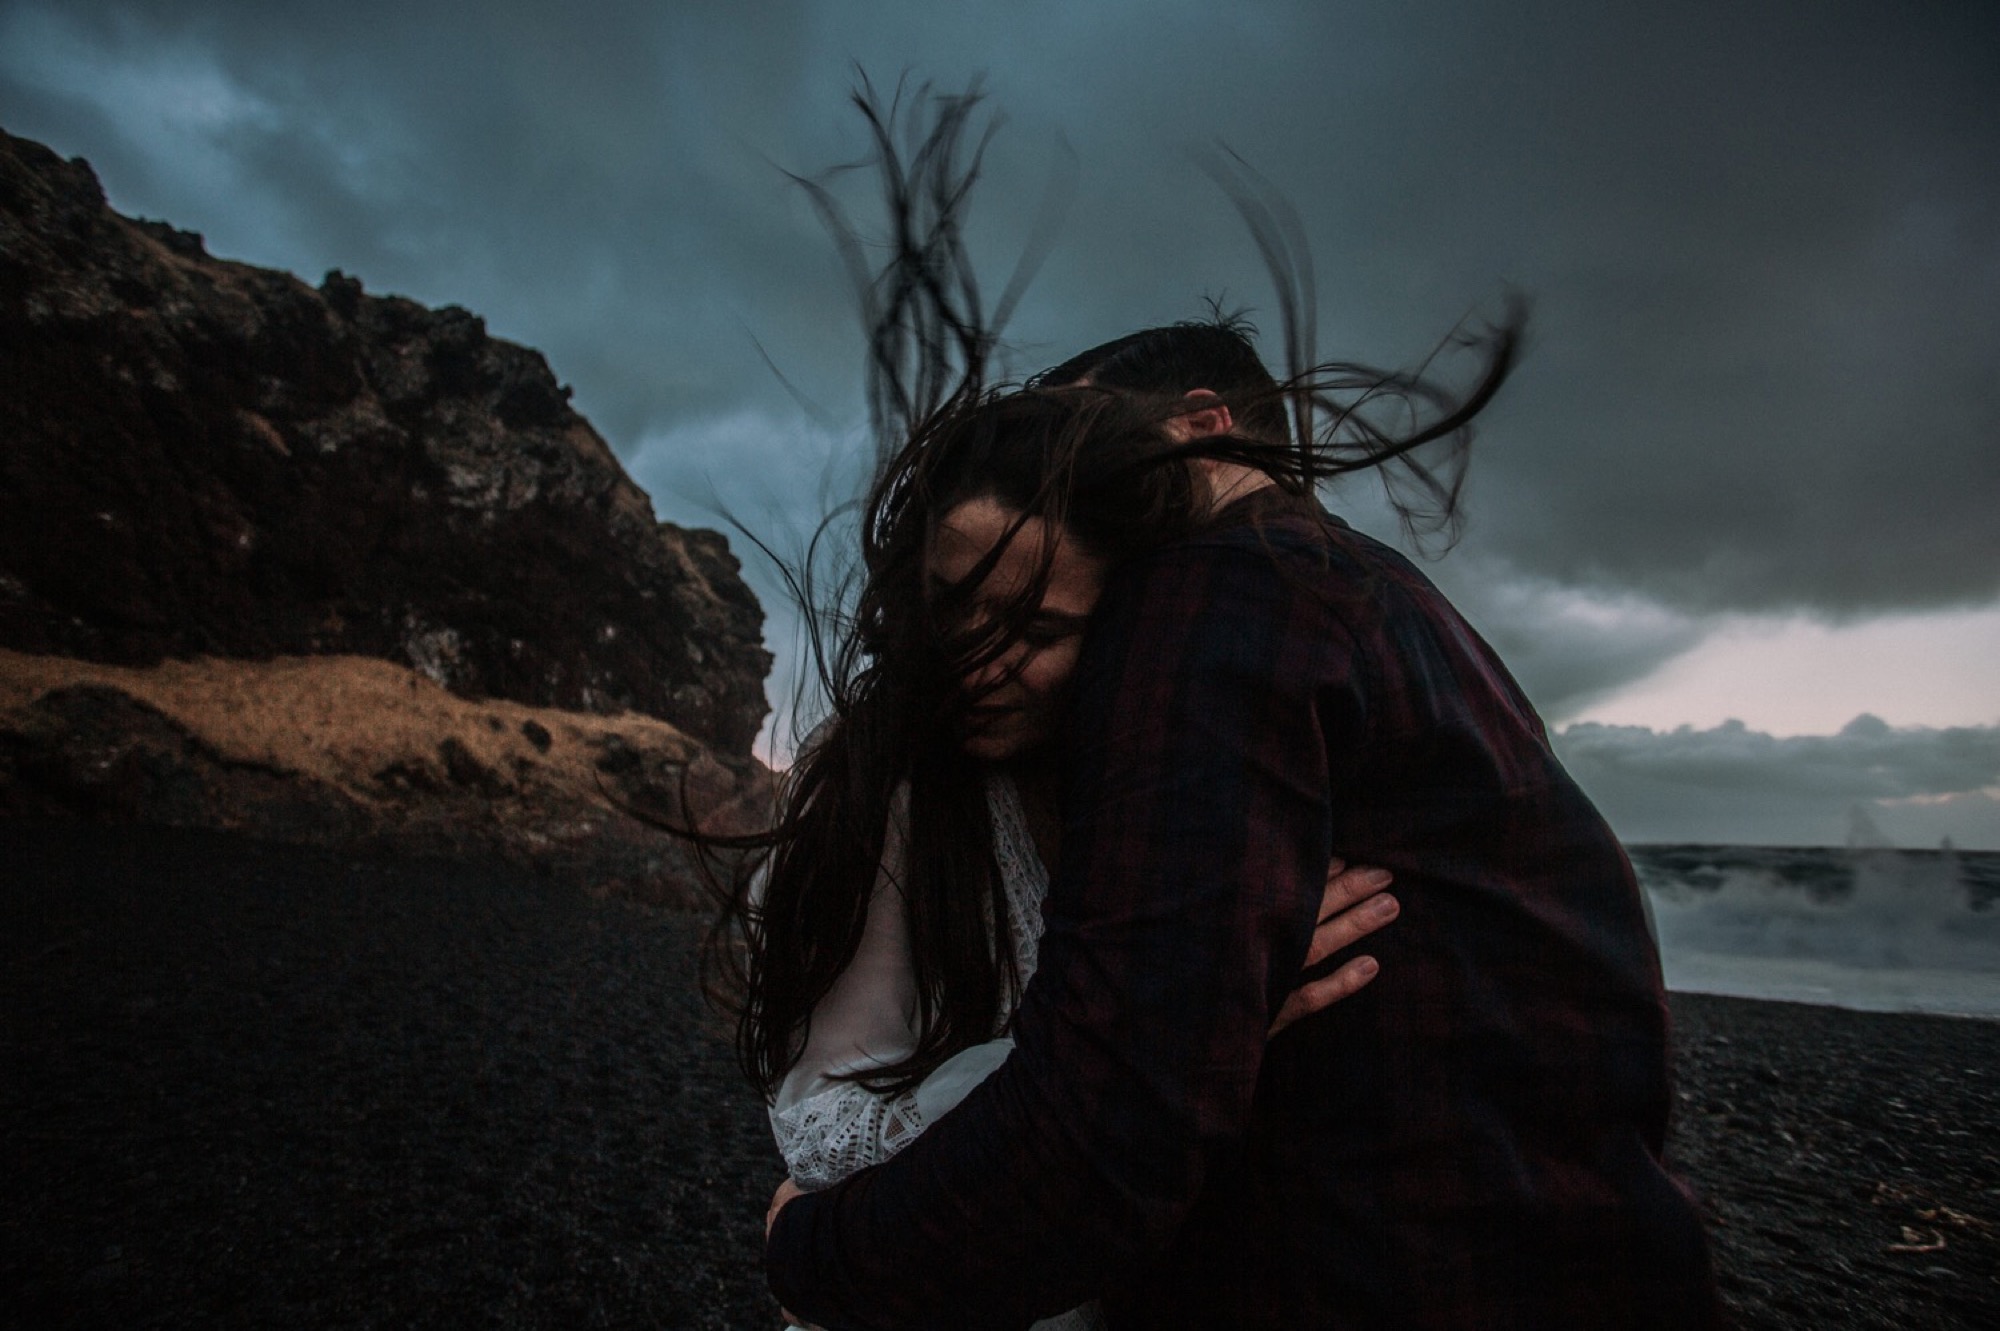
[{"x": 843, "y": 1130}]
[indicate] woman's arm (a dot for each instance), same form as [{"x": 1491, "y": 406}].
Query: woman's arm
[{"x": 828, "y": 1127}]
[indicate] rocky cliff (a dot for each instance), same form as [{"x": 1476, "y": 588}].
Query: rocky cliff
[
  {"x": 220, "y": 486},
  {"x": 203, "y": 457}
]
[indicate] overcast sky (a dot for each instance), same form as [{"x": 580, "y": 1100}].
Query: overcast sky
[{"x": 1747, "y": 472}]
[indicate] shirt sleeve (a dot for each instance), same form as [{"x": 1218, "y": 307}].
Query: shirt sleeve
[{"x": 1196, "y": 836}]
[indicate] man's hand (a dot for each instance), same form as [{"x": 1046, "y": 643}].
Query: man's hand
[{"x": 1354, "y": 907}]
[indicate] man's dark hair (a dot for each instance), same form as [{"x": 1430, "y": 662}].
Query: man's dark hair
[{"x": 1216, "y": 354}]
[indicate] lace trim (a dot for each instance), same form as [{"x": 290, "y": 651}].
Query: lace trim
[
  {"x": 1022, "y": 874},
  {"x": 843, "y": 1130}
]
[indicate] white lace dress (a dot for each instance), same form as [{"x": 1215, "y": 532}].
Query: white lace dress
[{"x": 828, "y": 1129}]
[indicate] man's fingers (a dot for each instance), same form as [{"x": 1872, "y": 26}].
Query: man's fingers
[
  {"x": 1345, "y": 886},
  {"x": 1353, "y": 906},
  {"x": 1348, "y": 926},
  {"x": 1324, "y": 993}
]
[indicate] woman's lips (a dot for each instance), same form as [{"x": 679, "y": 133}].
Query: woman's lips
[{"x": 982, "y": 715}]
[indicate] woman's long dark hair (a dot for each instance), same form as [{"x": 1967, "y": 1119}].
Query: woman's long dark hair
[{"x": 890, "y": 650}]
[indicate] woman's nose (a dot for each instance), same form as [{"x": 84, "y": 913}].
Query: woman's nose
[{"x": 996, "y": 672}]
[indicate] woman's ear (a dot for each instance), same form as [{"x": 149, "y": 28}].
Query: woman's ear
[{"x": 1206, "y": 414}]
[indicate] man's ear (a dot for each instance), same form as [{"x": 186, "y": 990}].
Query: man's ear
[{"x": 1206, "y": 414}]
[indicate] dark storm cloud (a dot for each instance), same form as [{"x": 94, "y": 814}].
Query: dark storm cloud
[
  {"x": 1567, "y": 649},
  {"x": 593, "y": 188},
  {"x": 1764, "y": 241},
  {"x": 1867, "y": 759},
  {"x": 1732, "y": 783}
]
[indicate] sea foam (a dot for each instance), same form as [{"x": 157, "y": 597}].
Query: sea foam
[{"x": 1876, "y": 929}]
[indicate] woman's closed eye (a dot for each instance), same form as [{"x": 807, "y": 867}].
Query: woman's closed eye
[{"x": 1047, "y": 628}]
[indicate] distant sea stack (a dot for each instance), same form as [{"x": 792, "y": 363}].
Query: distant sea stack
[{"x": 207, "y": 462}]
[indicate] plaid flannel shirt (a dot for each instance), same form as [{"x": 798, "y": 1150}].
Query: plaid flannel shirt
[{"x": 1472, "y": 1141}]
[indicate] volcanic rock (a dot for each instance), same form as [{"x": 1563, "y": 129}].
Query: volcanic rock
[{"x": 204, "y": 458}]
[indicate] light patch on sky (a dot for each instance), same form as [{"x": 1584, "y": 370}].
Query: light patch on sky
[
  {"x": 175, "y": 94},
  {"x": 770, "y": 476},
  {"x": 177, "y": 105},
  {"x": 1792, "y": 676},
  {"x": 1869, "y": 783}
]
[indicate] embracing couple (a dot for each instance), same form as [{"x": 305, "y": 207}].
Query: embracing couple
[{"x": 1050, "y": 976}]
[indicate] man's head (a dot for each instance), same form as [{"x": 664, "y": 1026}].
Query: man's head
[
  {"x": 1210, "y": 382},
  {"x": 1215, "y": 358}
]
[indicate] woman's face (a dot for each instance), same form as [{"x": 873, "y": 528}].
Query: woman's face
[{"x": 1016, "y": 699}]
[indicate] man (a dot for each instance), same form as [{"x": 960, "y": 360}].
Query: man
[{"x": 1473, "y": 1141}]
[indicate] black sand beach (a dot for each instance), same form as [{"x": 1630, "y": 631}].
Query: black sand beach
[{"x": 248, "y": 1085}]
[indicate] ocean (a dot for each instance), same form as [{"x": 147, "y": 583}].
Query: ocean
[{"x": 1875, "y": 929}]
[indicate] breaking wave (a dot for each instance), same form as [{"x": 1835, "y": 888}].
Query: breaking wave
[{"x": 1875, "y": 928}]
